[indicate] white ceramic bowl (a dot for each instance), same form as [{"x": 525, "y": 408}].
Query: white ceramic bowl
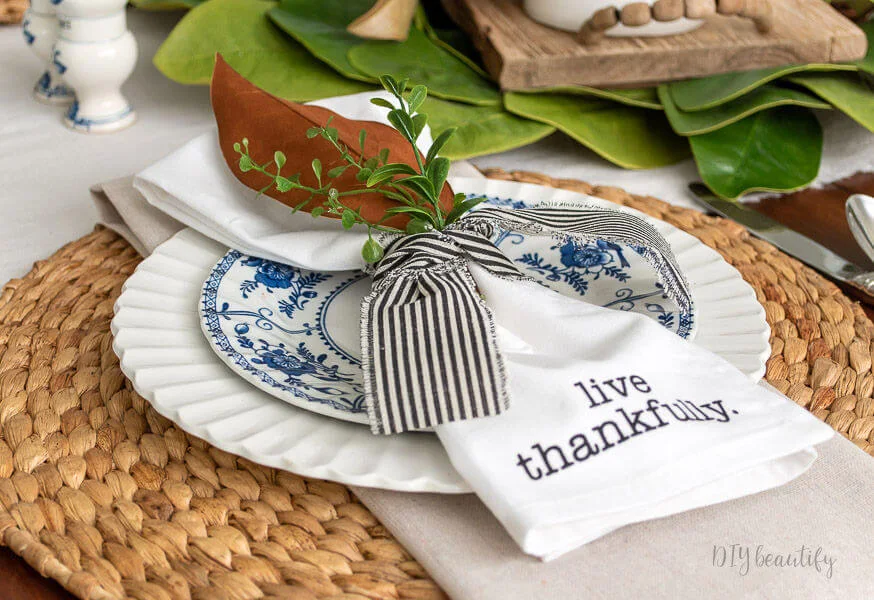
[{"x": 570, "y": 15}]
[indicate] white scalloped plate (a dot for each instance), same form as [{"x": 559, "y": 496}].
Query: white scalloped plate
[{"x": 162, "y": 350}]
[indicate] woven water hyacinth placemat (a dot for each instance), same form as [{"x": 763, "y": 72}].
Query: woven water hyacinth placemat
[{"x": 112, "y": 500}]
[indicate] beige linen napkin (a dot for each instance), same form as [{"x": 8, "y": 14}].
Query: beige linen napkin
[{"x": 817, "y": 527}]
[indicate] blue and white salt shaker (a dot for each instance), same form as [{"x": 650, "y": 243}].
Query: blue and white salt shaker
[
  {"x": 40, "y": 30},
  {"x": 98, "y": 54}
]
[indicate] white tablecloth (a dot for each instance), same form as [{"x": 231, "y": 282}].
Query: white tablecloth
[{"x": 45, "y": 173}]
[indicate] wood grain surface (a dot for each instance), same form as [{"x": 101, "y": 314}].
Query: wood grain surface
[
  {"x": 818, "y": 214},
  {"x": 522, "y": 54}
]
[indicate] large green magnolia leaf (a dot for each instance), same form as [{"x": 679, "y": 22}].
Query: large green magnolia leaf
[
  {"x": 630, "y": 137},
  {"x": 454, "y": 41},
  {"x": 710, "y": 92},
  {"x": 640, "y": 97},
  {"x": 704, "y": 121},
  {"x": 867, "y": 63},
  {"x": 321, "y": 28},
  {"x": 242, "y": 33},
  {"x": 425, "y": 63},
  {"x": 166, "y": 4},
  {"x": 846, "y": 91},
  {"x": 481, "y": 129},
  {"x": 775, "y": 150}
]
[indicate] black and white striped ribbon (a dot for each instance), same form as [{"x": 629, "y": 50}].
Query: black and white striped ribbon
[{"x": 429, "y": 352}]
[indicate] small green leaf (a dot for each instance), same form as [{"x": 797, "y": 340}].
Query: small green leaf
[
  {"x": 418, "y": 226},
  {"x": 458, "y": 199},
  {"x": 386, "y": 172},
  {"x": 383, "y": 155},
  {"x": 463, "y": 207},
  {"x": 371, "y": 163},
  {"x": 412, "y": 210},
  {"x": 246, "y": 163},
  {"x": 419, "y": 184},
  {"x": 317, "y": 212},
  {"x": 348, "y": 218},
  {"x": 333, "y": 194},
  {"x": 382, "y": 102},
  {"x": 279, "y": 159},
  {"x": 390, "y": 84},
  {"x": 331, "y": 133},
  {"x": 363, "y": 174},
  {"x": 317, "y": 168},
  {"x": 372, "y": 252},
  {"x": 237, "y": 147},
  {"x": 403, "y": 123},
  {"x": 419, "y": 122},
  {"x": 417, "y": 96},
  {"x": 284, "y": 184},
  {"x": 313, "y": 132},
  {"x": 362, "y": 137},
  {"x": 438, "y": 170},
  {"x": 438, "y": 144},
  {"x": 337, "y": 171}
]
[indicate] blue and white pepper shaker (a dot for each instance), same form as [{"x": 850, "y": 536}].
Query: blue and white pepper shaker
[
  {"x": 41, "y": 32},
  {"x": 98, "y": 54}
]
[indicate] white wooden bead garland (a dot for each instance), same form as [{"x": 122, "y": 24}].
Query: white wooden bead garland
[
  {"x": 40, "y": 30},
  {"x": 98, "y": 54}
]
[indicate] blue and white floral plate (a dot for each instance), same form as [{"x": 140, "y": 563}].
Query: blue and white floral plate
[
  {"x": 295, "y": 333},
  {"x": 159, "y": 340}
]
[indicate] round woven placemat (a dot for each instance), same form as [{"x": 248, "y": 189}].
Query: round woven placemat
[{"x": 112, "y": 500}]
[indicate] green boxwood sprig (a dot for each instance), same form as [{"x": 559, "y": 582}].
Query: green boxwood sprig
[{"x": 416, "y": 188}]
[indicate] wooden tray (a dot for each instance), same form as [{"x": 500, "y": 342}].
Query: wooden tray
[{"x": 521, "y": 54}]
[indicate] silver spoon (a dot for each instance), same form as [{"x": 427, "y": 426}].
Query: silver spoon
[{"x": 860, "y": 216}]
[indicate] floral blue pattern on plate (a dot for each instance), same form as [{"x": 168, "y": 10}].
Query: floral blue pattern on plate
[{"x": 294, "y": 333}]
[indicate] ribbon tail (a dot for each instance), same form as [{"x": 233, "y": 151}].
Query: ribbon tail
[
  {"x": 589, "y": 224},
  {"x": 429, "y": 352}
]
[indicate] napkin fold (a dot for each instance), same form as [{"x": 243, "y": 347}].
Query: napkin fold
[{"x": 614, "y": 419}]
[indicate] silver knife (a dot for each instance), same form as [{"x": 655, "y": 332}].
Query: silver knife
[{"x": 791, "y": 242}]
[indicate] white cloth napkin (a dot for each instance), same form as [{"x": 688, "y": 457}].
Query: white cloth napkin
[
  {"x": 616, "y": 420},
  {"x": 723, "y": 437}
]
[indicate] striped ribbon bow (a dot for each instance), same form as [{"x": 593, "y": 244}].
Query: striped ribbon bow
[{"x": 428, "y": 346}]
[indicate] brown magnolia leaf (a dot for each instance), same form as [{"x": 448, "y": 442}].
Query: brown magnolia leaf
[{"x": 242, "y": 110}]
